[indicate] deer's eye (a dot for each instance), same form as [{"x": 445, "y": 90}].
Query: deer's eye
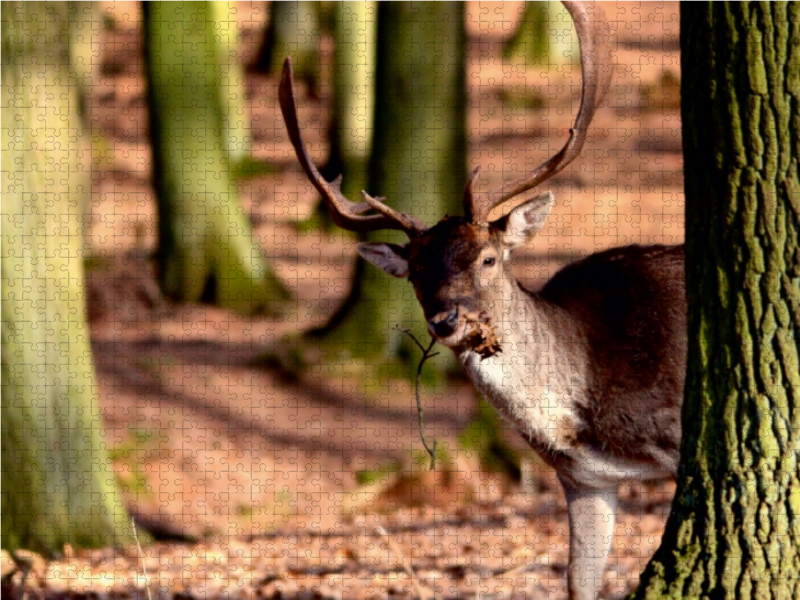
[{"x": 489, "y": 262}]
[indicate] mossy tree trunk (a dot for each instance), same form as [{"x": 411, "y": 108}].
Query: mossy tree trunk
[
  {"x": 734, "y": 531},
  {"x": 206, "y": 248},
  {"x": 57, "y": 485},
  {"x": 418, "y": 159}
]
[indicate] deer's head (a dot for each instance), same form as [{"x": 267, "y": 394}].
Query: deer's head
[{"x": 457, "y": 265}]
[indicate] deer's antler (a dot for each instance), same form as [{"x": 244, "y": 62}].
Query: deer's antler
[
  {"x": 346, "y": 214},
  {"x": 597, "y": 72}
]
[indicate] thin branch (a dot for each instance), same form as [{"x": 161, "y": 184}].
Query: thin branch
[{"x": 431, "y": 450}]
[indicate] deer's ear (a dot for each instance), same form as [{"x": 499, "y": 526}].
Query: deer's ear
[
  {"x": 525, "y": 221},
  {"x": 390, "y": 258}
]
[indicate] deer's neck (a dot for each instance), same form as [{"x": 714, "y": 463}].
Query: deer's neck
[{"x": 535, "y": 381}]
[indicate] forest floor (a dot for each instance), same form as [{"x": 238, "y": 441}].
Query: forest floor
[{"x": 312, "y": 486}]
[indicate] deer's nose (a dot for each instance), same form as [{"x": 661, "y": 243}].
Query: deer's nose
[{"x": 444, "y": 324}]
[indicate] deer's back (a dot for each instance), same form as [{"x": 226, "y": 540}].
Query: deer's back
[{"x": 630, "y": 305}]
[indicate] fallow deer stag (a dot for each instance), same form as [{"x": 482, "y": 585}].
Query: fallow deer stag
[{"x": 591, "y": 368}]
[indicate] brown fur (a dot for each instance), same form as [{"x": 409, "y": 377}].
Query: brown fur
[
  {"x": 621, "y": 313},
  {"x": 631, "y": 306}
]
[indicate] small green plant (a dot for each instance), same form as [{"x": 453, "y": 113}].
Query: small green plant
[
  {"x": 124, "y": 457},
  {"x": 373, "y": 476}
]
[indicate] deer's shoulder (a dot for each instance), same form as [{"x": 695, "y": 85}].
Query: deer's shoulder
[{"x": 625, "y": 275}]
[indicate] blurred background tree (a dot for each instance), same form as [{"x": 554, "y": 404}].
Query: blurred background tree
[
  {"x": 294, "y": 30},
  {"x": 355, "y": 33},
  {"x": 233, "y": 103},
  {"x": 542, "y": 35},
  {"x": 206, "y": 249},
  {"x": 57, "y": 485}
]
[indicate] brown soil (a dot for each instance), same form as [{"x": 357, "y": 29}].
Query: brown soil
[{"x": 210, "y": 442}]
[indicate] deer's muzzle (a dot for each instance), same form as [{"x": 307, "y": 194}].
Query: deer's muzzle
[{"x": 444, "y": 324}]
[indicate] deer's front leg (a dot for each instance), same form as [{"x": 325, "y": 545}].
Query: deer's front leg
[{"x": 591, "y": 527}]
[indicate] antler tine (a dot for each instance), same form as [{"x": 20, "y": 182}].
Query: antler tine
[
  {"x": 345, "y": 214},
  {"x": 597, "y": 73},
  {"x": 469, "y": 195},
  {"x": 410, "y": 223}
]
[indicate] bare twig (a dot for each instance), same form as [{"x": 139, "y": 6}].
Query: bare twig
[
  {"x": 431, "y": 450},
  {"x": 141, "y": 559}
]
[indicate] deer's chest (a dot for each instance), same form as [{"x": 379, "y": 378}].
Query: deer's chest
[{"x": 531, "y": 397}]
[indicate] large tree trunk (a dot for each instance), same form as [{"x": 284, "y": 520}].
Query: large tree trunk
[
  {"x": 206, "y": 247},
  {"x": 734, "y": 531},
  {"x": 418, "y": 156},
  {"x": 57, "y": 485}
]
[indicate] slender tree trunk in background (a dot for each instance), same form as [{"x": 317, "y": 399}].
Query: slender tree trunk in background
[
  {"x": 206, "y": 247},
  {"x": 294, "y": 30},
  {"x": 354, "y": 91},
  {"x": 734, "y": 531},
  {"x": 57, "y": 485},
  {"x": 530, "y": 43},
  {"x": 418, "y": 157}
]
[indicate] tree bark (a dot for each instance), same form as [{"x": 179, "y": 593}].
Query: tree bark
[
  {"x": 734, "y": 531},
  {"x": 57, "y": 485}
]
